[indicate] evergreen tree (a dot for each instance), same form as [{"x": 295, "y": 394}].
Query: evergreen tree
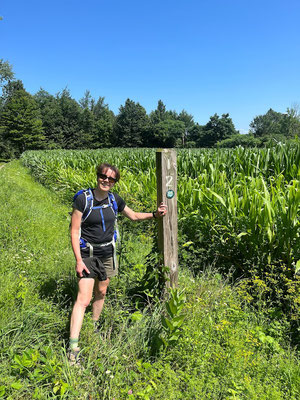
[
  {"x": 87, "y": 101},
  {"x": 99, "y": 107},
  {"x": 52, "y": 118},
  {"x": 69, "y": 119},
  {"x": 158, "y": 115},
  {"x": 104, "y": 123},
  {"x": 187, "y": 119},
  {"x": 87, "y": 128},
  {"x": 132, "y": 125},
  {"x": 20, "y": 123}
]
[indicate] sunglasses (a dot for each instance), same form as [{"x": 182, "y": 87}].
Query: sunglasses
[{"x": 110, "y": 178}]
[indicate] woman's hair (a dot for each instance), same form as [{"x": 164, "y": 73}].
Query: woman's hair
[{"x": 103, "y": 167}]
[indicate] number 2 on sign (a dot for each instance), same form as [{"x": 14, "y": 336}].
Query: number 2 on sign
[{"x": 169, "y": 180}]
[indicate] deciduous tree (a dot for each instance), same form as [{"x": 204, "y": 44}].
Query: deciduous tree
[
  {"x": 217, "y": 129},
  {"x": 168, "y": 133},
  {"x": 276, "y": 125},
  {"x": 189, "y": 123},
  {"x": 267, "y": 124},
  {"x": 6, "y": 72}
]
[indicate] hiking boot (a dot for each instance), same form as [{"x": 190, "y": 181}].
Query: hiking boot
[{"x": 73, "y": 356}]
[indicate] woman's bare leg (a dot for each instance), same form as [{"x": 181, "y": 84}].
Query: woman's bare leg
[
  {"x": 100, "y": 289},
  {"x": 85, "y": 292}
]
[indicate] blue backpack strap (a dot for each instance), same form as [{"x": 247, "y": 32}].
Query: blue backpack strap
[
  {"x": 77, "y": 194},
  {"x": 89, "y": 201},
  {"x": 113, "y": 203},
  {"x": 102, "y": 219}
]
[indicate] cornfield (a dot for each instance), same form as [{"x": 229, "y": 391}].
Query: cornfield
[{"x": 236, "y": 207}]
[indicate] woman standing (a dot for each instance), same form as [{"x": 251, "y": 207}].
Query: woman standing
[{"x": 93, "y": 222}]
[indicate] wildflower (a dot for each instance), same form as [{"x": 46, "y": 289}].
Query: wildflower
[{"x": 129, "y": 391}]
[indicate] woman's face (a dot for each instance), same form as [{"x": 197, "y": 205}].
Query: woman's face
[{"x": 106, "y": 180}]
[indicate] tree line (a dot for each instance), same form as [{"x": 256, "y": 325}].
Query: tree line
[{"x": 46, "y": 121}]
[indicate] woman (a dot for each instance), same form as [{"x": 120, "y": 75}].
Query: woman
[{"x": 94, "y": 252}]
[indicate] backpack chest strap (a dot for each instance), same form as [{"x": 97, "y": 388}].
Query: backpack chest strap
[{"x": 101, "y": 213}]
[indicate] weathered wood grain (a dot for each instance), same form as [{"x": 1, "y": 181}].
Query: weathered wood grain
[{"x": 166, "y": 173}]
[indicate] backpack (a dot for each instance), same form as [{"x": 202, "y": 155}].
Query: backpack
[{"x": 89, "y": 206}]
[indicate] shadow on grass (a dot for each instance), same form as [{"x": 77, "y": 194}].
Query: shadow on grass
[{"x": 62, "y": 292}]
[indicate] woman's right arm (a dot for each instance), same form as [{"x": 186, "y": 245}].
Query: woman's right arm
[{"x": 75, "y": 229}]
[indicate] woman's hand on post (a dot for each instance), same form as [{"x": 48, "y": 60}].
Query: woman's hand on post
[
  {"x": 162, "y": 210},
  {"x": 80, "y": 266}
]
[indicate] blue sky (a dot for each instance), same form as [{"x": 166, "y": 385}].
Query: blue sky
[{"x": 239, "y": 57}]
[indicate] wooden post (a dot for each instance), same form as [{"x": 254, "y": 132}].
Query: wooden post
[{"x": 166, "y": 174}]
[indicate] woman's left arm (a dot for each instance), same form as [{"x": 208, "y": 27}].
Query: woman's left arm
[{"x": 140, "y": 216}]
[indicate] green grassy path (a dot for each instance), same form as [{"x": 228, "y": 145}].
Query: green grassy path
[
  {"x": 35, "y": 248},
  {"x": 36, "y": 262}
]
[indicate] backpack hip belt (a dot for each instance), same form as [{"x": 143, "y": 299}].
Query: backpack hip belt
[{"x": 84, "y": 245}]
